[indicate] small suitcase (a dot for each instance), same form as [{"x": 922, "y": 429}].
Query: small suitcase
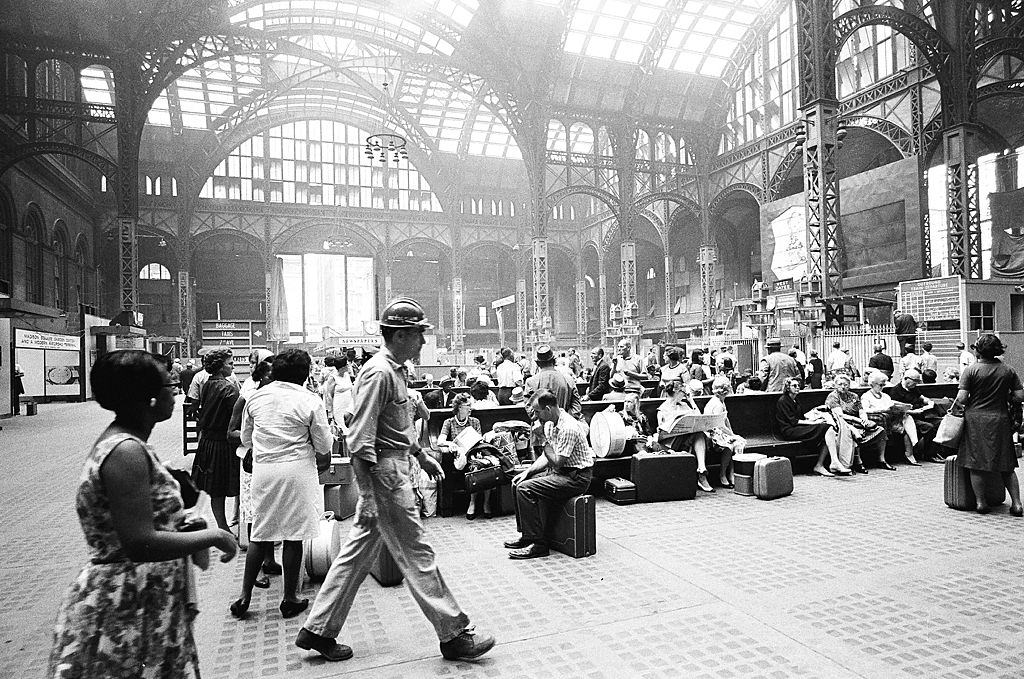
[
  {"x": 958, "y": 491},
  {"x": 502, "y": 501},
  {"x": 341, "y": 499},
  {"x": 659, "y": 478},
  {"x": 773, "y": 478},
  {"x": 385, "y": 570},
  {"x": 743, "y": 472},
  {"x": 572, "y": 530},
  {"x": 620, "y": 491}
]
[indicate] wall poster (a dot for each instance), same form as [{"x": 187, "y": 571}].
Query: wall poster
[{"x": 51, "y": 362}]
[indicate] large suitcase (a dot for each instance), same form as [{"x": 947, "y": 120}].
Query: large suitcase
[
  {"x": 319, "y": 552},
  {"x": 340, "y": 471},
  {"x": 572, "y": 530},
  {"x": 385, "y": 570},
  {"x": 659, "y": 478},
  {"x": 958, "y": 491},
  {"x": 773, "y": 478},
  {"x": 620, "y": 491},
  {"x": 743, "y": 472}
]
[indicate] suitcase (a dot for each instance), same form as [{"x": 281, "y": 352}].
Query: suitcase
[
  {"x": 572, "y": 530},
  {"x": 502, "y": 501},
  {"x": 341, "y": 499},
  {"x": 384, "y": 570},
  {"x": 318, "y": 553},
  {"x": 620, "y": 491},
  {"x": 743, "y": 472},
  {"x": 773, "y": 478},
  {"x": 485, "y": 479},
  {"x": 958, "y": 491},
  {"x": 659, "y": 478}
]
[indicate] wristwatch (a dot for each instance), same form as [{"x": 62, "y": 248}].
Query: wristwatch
[{"x": 62, "y": 374}]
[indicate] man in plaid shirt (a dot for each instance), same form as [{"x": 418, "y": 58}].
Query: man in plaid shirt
[{"x": 569, "y": 463}]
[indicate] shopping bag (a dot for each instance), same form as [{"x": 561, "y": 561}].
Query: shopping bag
[{"x": 950, "y": 428}]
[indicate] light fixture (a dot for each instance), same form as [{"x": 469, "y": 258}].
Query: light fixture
[{"x": 384, "y": 146}]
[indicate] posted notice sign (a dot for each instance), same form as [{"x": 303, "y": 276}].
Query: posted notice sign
[{"x": 33, "y": 339}]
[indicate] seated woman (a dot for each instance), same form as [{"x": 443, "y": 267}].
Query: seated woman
[
  {"x": 723, "y": 438},
  {"x": 793, "y": 426},
  {"x": 482, "y": 396},
  {"x": 879, "y": 407},
  {"x": 853, "y": 428},
  {"x": 450, "y": 430},
  {"x": 680, "y": 402},
  {"x": 675, "y": 369}
]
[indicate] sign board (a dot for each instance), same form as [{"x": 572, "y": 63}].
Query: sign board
[
  {"x": 787, "y": 300},
  {"x": 789, "y": 231},
  {"x": 31, "y": 339},
  {"x": 241, "y": 336},
  {"x": 783, "y": 285},
  {"x": 936, "y": 302},
  {"x": 51, "y": 363},
  {"x": 504, "y": 301}
]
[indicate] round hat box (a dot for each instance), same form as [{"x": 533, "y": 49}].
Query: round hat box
[
  {"x": 318, "y": 553},
  {"x": 609, "y": 434}
]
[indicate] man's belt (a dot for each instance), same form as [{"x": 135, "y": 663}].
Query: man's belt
[{"x": 392, "y": 452}]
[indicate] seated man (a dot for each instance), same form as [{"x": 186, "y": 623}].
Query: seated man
[
  {"x": 921, "y": 421},
  {"x": 568, "y": 462}
]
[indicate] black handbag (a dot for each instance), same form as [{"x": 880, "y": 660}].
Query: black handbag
[
  {"x": 189, "y": 490},
  {"x": 485, "y": 479}
]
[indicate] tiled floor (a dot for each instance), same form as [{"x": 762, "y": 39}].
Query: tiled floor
[{"x": 858, "y": 577}]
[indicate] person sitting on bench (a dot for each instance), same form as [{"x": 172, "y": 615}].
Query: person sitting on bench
[
  {"x": 569, "y": 463},
  {"x": 679, "y": 401}
]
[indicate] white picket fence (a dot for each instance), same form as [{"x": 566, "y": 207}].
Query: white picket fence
[{"x": 861, "y": 344}]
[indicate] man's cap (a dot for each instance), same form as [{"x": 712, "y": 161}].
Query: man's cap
[
  {"x": 404, "y": 312},
  {"x": 447, "y": 382},
  {"x": 617, "y": 381},
  {"x": 545, "y": 354},
  {"x": 774, "y": 342},
  {"x": 959, "y": 345},
  {"x": 518, "y": 395}
]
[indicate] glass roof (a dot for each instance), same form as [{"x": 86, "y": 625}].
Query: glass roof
[
  {"x": 409, "y": 43},
  {"x": 705, "y": 34}
]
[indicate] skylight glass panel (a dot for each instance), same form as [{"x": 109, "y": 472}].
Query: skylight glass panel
[
  {"x": 612, "y": 29},
  {"x": 708, "y": 34},
  {"x": 490, "y": 137},
  {"x": 96, "y": 88}
]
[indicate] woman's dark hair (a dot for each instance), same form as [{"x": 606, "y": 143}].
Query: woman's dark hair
[
  {"x": 340, "y": 361},
  {"x": 672, "y": 354},
  {"x": 262, "y": 369},
  {"x": 126, "y": 379},
  {"x": 215, "y": 360},
  {"x": 292, "y": 365},
  {"x": 329, "y": 361},
  {"x": 929, "y": 376},
  {"x": 755, "y": 383},
  {"x": 697, "y": 356},
  {"x": 989, "y": 346},
  {"x": 459, "y": 401},
  {"x": 479, "y": 391}
]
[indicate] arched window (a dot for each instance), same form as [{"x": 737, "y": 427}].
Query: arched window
[
  {"x": 8, "y": 221},
  {"x": 35, "y": 237},
  {"x": 56, "y": 80},
  {"x": 154, "y": 272},
  {"x": 60, "y": 265}
]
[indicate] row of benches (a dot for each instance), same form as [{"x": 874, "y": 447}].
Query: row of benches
[{"x": 752, "y": 416}]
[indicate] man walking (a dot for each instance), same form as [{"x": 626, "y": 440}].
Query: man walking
[
  {"x": 381, "y": 437},
  {"x": 569, "y": 463}
]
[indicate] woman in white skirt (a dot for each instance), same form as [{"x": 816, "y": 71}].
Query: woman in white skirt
[{"x": 286, "y": 426}]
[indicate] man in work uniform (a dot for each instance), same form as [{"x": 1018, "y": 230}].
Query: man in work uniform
[{"x": 381, "y": 437}]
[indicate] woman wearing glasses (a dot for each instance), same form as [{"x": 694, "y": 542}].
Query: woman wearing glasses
[{"x": 130, "y": 610}]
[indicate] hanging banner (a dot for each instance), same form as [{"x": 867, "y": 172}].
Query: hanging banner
[{"x": 789, "y": 231}]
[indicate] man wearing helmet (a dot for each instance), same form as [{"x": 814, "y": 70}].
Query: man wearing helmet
[{"x": 381, "y": 437}]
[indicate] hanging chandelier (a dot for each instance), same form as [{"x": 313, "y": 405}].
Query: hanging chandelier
[{"x": 384, "y": 146}]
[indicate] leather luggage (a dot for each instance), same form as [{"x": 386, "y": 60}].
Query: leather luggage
[
  {"x": 958, "y": 491},
  {"x": 341, "y": 499},
  {"x": 318, "y": 553},
  {"x": 503, "y": 501},
  {"x": 485, "y": 479},
  {"x": 572, "y": 529},
  {"x": 620, "y": 491},
  {"x": 340, "y": 471},
  {"x": 773, "y": 478},
  {"x": 743, "y": 472},
  {"x": 385, "y": 570},
  {"x": 660, "y": 478}
]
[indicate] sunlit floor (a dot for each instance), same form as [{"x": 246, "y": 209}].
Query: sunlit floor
[{"x": 857, "y": 577}]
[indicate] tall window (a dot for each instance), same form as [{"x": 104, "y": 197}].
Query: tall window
[
  {"x": 317, "y": 162},
  {"x": 60, "y": 266},
  {"x": 34, "y": 239},
  {"x": 7, "y": 224}
]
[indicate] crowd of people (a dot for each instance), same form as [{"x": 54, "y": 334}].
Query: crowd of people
[{"x": 266, "y": 439}]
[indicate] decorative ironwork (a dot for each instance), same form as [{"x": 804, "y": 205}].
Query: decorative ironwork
[
  {"x": 128, "y": 257},
  {"x": 541, "y": 310},
  {"x": 458, "y": 315},
  {"x": 184, "y": 311},
  {"x": 581, "y": 313},
  {"x": 521, "y": 314}
]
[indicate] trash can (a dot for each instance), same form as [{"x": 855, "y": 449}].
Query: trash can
[{"x": 30, "y": 407}]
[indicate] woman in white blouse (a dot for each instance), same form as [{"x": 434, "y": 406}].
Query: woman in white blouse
[{"x": 286, "y": 426}]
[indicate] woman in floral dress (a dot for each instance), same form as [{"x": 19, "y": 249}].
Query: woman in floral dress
[{"x": 129, "y": 612}]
